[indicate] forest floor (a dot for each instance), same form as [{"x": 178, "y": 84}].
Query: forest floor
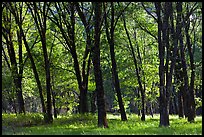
[{"x": 31, "y": 124}]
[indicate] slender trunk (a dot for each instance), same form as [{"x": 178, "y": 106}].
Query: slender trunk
[
  {"x": 41, "y": 26},
  {"x": 180, "y": 103},
  {"x": 20, "y": 73},
  {"x": 93, "y": 99},
  {"x": 34, "y": 71},
  {"x": 192, "y": 67},
  {"x": 53, "y": 97},
  {"x": 110, "y": 38},
  {"x": 183, "y": 60},
  {"x": 176, "y": 102},
  {"x": 137, "y": 72},
  {"x": 179, "y": 79},
  {"x": 14, "y": 72},
  {"x": 48, "y": 85},
  {"x": 85, "y": 75}
]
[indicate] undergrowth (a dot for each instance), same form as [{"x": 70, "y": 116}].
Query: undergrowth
[{"x": 78, "y": 124}]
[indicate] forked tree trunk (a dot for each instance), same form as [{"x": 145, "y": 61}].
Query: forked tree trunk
[{"x": 110, "y": 37}]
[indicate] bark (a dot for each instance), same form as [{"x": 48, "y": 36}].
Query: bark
[
  {"x": 34, "y": 71},
  {"x": 82, "y": 79},
  {"x": 141, "y": 72},
  {"x": 178, "y": 78},
  {"x": 168, "y": 13},
  {"x": 102, "y": 120},
  {"x": 20, "y": 75},
  {"x": 183, "y": 62},
  {"x": 22, "y": 34},
  {"x": 17, "y": 76},
  {"x": 137, "y": 71},
  {"x": 165, "y": 42},
  {"x": 41, "y": 26},
  {"x": 93, "y": 99},
  {"x": 110, "y": 37},
  {"x": 53, "y": 97},
  {"x": 164, "y": 119},
  {"x": 191, "y": 115}
]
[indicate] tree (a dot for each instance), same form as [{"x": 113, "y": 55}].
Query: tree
[
  {"x": 102, "y": 121},
  {"x": 87, "y": 54},
  {"x": 40, "y": 21},
  {"x": 19, "y": 21},
  {"x": 110, "y": 38},
  {"x": 16, "y": 70},
  {"x": 141, "y": 89},
  {"x": 164, "y": 117},
  {"x": 69, "y": 37},
  {"x": 191, "y": 106}
]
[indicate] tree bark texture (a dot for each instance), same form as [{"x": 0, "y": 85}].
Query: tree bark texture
[{"x": 102, "y": 121}]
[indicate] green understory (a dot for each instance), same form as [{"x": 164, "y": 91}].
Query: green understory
[{"x": 31, "y": 124}]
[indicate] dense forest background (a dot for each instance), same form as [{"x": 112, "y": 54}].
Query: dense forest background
[{"x": 101, "y": 57}]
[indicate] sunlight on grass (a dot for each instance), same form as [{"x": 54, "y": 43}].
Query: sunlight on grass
[{"x": 87, "y": 125}]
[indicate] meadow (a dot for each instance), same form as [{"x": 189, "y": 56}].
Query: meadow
[{"x": 77, "y": 124}]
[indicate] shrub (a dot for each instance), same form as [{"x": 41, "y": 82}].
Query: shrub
[{"x": 19, "y": 120}]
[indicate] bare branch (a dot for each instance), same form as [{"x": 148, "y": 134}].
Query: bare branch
[{"x": 149, "y": 12}]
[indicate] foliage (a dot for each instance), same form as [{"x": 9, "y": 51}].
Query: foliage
[
  {"x": 21, "y": 120},
  {"x": 143, "y": 30},
  {"x": 78, "y": 124}
]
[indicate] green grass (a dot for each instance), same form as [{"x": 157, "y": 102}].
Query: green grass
[{"x": 87, "y": 125}]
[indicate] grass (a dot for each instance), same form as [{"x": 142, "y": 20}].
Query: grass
[{"x": 87, "y": 125}]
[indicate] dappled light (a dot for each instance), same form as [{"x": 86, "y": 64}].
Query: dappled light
[{"x": 101, "y": 68}]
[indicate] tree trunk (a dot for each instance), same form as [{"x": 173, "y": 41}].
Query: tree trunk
[
  {"x": 34, "y": 71},
  {"x": 183, "y": 61},
  {"x": 178, "y": 78},
  {"x": 137, "y": 72},
  {"x": 14, "y": 70},
  {"x": 93, "y": 99},
  {"x": 164, "y": 119},
  {"x": 20, "y": 73},
  {"x": 48, "y": 85},
  {"x": 110, "y": 37},
  {"x": 41, "y": 26},
  {"x": 191, "y": 115},
  {"x": 102, "y": 121}
]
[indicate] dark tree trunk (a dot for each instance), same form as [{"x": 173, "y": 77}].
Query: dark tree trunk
[
  {"x": 34, "y": 71},
  {"x": 138, "y": 103},
  {"x": 175, "y": 101},
  {"x": 19, "y": 22},
  {"x": 180, "y": 102},
  {"x": 20, "y": 74},
  {"x": 82, "y": 80},
  {"x": 183, "y": 61},
  {"x": 17, "y": 77},
  {"x": 48, "y": 85},
  {"x": 110, "y": 37},
  {"x": 82, "y": 84},
  {"x": 41, "y": 26},
  {"x": 53, "y": 97},
  {"x": 165, "y": 42},
  {"x": 168, "y": 13},
  {"x": 179, "y": 80},
  {"x": 137, "y": 72},
  {"x": 191, "y": 106},
  {"x": 93, "y": 99},
  {"x": 47, "y": 71},
  {"x": 102, "y": 121},
  {"x": 164, "y": 119}
]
